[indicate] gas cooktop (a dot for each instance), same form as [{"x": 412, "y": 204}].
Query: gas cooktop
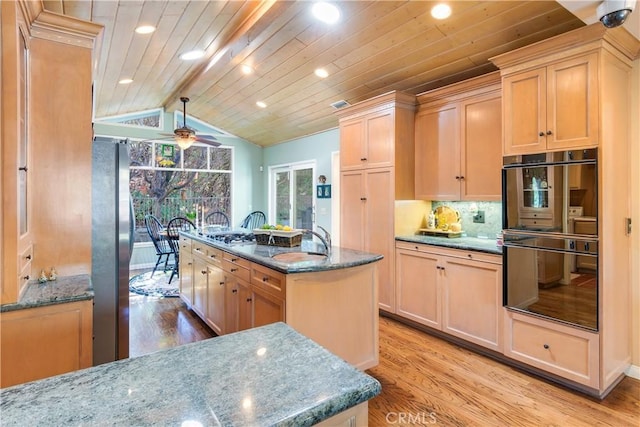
[{"x": 229, "y": 236}]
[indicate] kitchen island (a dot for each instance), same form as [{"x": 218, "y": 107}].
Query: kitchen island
[
  {"x": 266, "y": 376},
  {"x": 330, "y": 298}
]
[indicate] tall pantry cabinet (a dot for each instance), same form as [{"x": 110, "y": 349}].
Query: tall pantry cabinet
[
  {"x": 579, "y": 95},
  {"x": 376, "y": 168}
]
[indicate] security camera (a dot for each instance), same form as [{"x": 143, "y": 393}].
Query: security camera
[{"x": 613, "y": 13}]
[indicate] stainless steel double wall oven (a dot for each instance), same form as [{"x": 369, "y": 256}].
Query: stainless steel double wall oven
[{"x": 550, "y": 230}]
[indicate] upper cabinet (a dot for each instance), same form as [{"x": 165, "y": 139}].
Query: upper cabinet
[
  {"x": 551, "y": 107},
  {"x": 458, "y": 141}
]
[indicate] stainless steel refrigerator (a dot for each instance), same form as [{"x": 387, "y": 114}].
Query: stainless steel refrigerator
[{"x": 111, "y": 243}]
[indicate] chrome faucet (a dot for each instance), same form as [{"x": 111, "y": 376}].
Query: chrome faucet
[
  {"x": 327, "y": 236},
  {"x": 325, "y": 242}
]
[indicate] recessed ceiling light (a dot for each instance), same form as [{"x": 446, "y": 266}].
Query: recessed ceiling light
[
  {"x": 261, "y": 104},
  {"x": 125, "y": 81},
  {"x": 322, "y": 73},
  {"x": 145, "y": 29},
  {"x": 441, "y": 11},
  {"x": 326, "y": 12},
  {"x": 246, "y": 69},
  {"x": 191, "y": 55}
]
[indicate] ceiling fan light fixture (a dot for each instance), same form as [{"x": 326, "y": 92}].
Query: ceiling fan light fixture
[
  {"x": 441, "y": 11},
  {"x": 145, "y": 29},
  {"x": 192, "y": 55},
  {"x": 185, "y": 142},
  {"x": 326, "y": 12}
]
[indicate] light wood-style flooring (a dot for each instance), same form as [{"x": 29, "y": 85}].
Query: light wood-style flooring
[{"x": 425, "y": 380}]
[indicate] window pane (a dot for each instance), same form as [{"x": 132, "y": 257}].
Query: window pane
[
  {"x": 304, "y": 198},
  {"x": 220, "y": 158},
  {"x": 195, "y": 157},
  {"x": 140, "y": 153},
  {"x": 283, "y": 185}
]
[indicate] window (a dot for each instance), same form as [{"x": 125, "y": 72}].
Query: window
[
  {"x": 168, "y": 182},
  {"x": 291, "y": 195},
  {"x": 144, "y": 119}
]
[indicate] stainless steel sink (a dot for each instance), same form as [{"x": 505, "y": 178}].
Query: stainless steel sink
[{"x": 297, "y": 257}]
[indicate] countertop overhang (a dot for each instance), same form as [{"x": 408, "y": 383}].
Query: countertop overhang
[
  {"x": 262, "y": 254},
  {"x": 62, "y": 290},
  {"x": 265, "y": 376}
]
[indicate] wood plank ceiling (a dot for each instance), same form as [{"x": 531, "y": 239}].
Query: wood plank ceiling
[{"x": 376, "y": 47}]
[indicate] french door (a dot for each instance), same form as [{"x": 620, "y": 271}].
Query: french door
[{"x": 291, "y": 195}]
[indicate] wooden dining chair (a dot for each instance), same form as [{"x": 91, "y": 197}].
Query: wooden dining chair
[
  {"x": 156, "y": 232},
  {"x": 217, "y": 218},
  {"x": 174, "y": 227},
  {"x": 255, "y": 219}
]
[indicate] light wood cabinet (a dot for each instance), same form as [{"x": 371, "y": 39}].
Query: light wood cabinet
[
  {"x": 216, "y": 295},
  {"x": 186, "y": 277},
  {"x": 552, "y": 107},
  {"x": 267, "y": 308},
  {"x": 367, "y": 213},
  {"x": 584, "y": 101},
  {"x": 200, "y": 283},
  {"x": 45, "y": 341},
  {"x": 377, "y": 168},
  {"x": 458, "y": 292},
  {"x": 458, "y": 141}
]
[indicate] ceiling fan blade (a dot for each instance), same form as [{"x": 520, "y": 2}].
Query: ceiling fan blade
[{"x": 209, "y": 140}]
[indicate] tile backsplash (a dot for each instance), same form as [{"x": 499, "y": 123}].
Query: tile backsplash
[{"x": 492, "y": 217}]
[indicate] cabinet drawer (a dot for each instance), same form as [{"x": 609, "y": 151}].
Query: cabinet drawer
[
  {"x": 185, "y": 244},
  {"x": 214, "y": 255},
  {"x": 234, "y": 259},
  {"x": 237, "y": 270},
  {"x": 199, "y": 248},
  {"x": 268, "y": 280},
  {"x": 536, "y": 222},
  {"x": 568, "y": 352},
  {"x": 456, "y": 253}
]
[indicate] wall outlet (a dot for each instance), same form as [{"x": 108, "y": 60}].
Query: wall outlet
[{"x": 479, "y": 217}]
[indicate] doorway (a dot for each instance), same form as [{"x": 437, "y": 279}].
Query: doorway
[{"x": 291, "y": 195}]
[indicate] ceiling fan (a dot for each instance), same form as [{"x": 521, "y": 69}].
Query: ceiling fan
[{"x": 185, "y": 136}]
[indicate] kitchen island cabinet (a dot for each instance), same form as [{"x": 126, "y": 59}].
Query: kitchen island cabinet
[
  {"x": 317, "y": 298},
  {"x": 266, "y": 376},
  {"x": 457, "y": 292}
]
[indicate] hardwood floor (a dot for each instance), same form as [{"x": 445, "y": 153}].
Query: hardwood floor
[{"x": 425, "y": 380}]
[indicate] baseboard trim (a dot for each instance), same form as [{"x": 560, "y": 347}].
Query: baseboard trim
[{"x": 633, "y": 371}]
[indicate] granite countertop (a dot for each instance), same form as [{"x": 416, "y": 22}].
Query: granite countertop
[
  {"x": 467, "y": 243},
  {"x": 262, "y": 254},
  {"x": 62, "y": 290},
  {"x": 265, "y": 376}
]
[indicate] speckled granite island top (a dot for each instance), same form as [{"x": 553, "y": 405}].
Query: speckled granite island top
[
  {"x": 262, "y": 254},
  {"x": 466, "y": 243},
  {"x": 64, "y": 289},
  {"x": 267, "y": 376}
]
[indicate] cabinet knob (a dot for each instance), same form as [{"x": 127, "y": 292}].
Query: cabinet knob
[
  {"x": 203, "y": 271},
  {"x": 461, "y": 177},
  {"x": 28, "y": 257},
  {"x": 470, "y": 256},
  {"x": 234, "y": 291},
  {"x": 363, "y": 198},
  {"x": 248, "y": 299},
  {"x": 27, "y": 277},
  {"x": 234, "y": 259},
  {"x": 541, "y": 133},
  {"x": 546, "y": 346},
  {"x": 188, "y": 263},
  {"x": 233, "y": 270},
  {"x": 22, "y": 168},
  {"x": 549, "y": 132},
  {"x": 363, "y": 159},
  {"x": 457, "y": 177},
  {"x": 265, "y": 279}
]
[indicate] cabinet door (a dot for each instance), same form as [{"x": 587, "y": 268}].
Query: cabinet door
[
  {"x": 186, "y": 277},
  {"x": 379, "y": 139},
  {"x": 352, "y": 145},
  {"x": 472, "y": 301},
  {"x": 231, "y": 304},
  {"x": 245, "y": 306},
  {"x": 524, "y": 112},
  {"x": 379, "y": 230},
  {"x": 417, "y": 287},
  {"x": 481, "y": 148},
  {"x": 352, "y": 200},
  {"x": 572, "y": 103},
  {"x": 437, "y": 139},
  {"x": 215, "y": 299},
  {"x": 200, "y": 273},
  {"x": 266, "y": 308}
]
